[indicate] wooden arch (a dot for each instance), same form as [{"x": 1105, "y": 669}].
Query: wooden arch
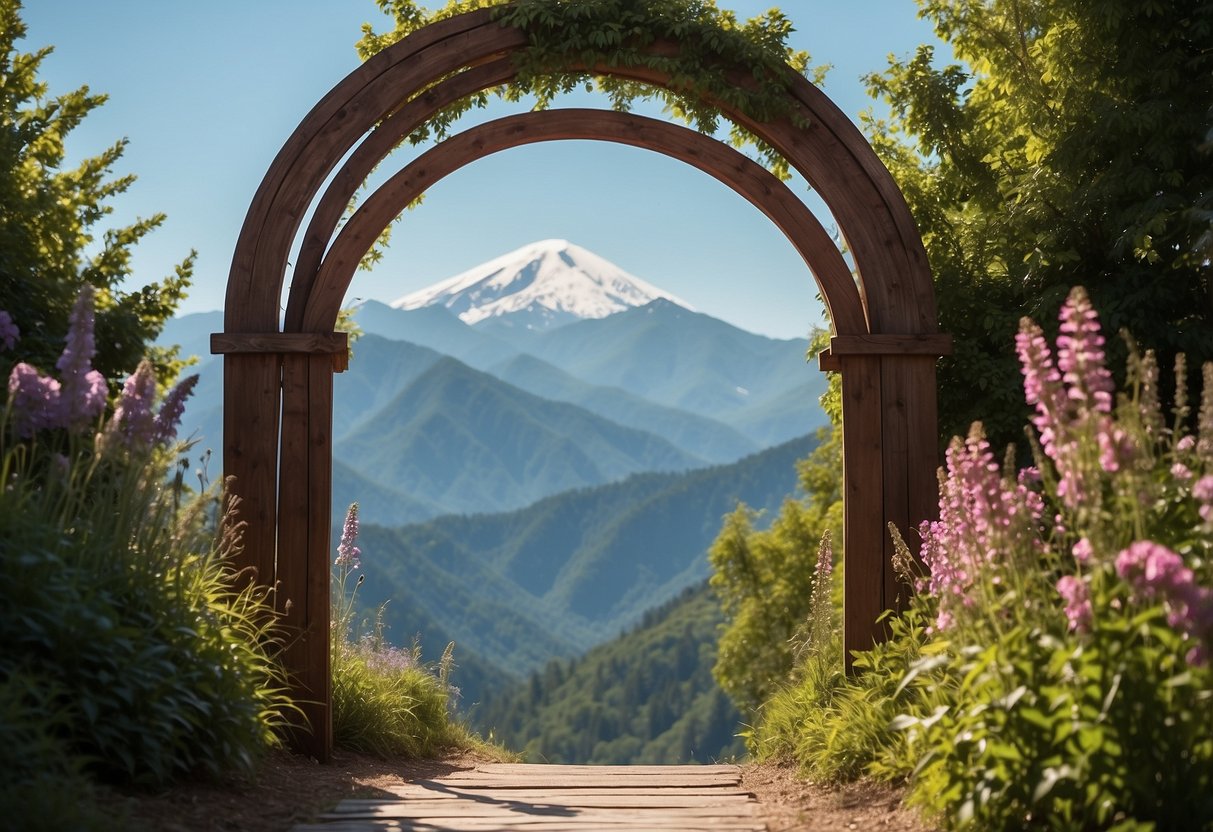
[{"x": 278, "y": 379}]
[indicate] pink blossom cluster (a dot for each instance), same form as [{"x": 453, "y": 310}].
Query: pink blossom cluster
[
  {"x": 349, "y": 555},
  {"x": 1072, "y": 397},
  {"x": 1077, "y": 595},
  {"x": 1157, "y": 573},
  {"x": 983, "y": 517},
  {"x": 1202, "y": 491}
]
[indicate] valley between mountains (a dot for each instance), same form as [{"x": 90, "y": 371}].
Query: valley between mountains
[{"x": 542, "y": 449}]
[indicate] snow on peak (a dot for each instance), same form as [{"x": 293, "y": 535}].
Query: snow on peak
[{"x": 545, "y": 283}]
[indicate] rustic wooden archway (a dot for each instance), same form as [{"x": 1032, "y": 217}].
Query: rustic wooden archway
[{"x": 278, "y": 380}]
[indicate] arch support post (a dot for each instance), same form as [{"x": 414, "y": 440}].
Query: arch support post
[
  {"x": 890, "y": 455},
  {"x": 278, "y": 406}
]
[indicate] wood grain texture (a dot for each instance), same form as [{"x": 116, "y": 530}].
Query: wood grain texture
[
  {"x": 539, "y": 797},
  {"x": 250, "y": 454},
  {"x": 225, "y": 343},
  {"x": 932, "y": 344},
  {"x": 863, "y": 502}
]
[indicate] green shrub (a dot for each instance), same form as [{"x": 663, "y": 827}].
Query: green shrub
[
  {"x": 385, "y": 701},
  {"x": 120, "y": 602}
]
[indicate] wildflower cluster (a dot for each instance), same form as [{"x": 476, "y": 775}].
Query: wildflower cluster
[
  {"x": 76, "y": 400},
  {"x": 1127, "y": 498}
]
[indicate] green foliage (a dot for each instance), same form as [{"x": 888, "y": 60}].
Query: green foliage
[
  {"x": 720, "y": 61},
  {"x": 645, "y": 697},
  {"x": 551, "y": 580},
  {"x": 765, "y": 579},
  {"x": 836, "y": 727},
  {"x": 1063, "y": 681},
  {"x": 48, "y": 225},
  {"x": 390, "y": 710},
  {"x": 121, "y": 608},
  {"x": 564, "y": 35},
  {"x": 1069, "y": 145},
  {"x": 384, "y": 700},
  {"x": 42, "y": 778}
]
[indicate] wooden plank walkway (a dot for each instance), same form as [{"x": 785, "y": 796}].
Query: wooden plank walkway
[{"x": 536, "y": 798}]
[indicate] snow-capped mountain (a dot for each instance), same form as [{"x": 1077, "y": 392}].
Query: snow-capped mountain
[{"x": 539, "y": 286}]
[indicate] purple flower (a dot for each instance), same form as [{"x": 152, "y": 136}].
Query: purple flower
[
  {"x": 349, "y": 555},
  {"x": 171, "y": 410},
  {"x": 84, "y": 393},
  {"x": 133, "y": 425},
  {"x": 34, "y": 399},
  {"x": 1078, "y": 602},
  {"x": 8, "y": 330}
]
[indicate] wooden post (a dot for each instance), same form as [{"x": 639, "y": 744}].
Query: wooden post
[
  {"x": 863, "y": 503},
  {"x": 296, "y": 560}
]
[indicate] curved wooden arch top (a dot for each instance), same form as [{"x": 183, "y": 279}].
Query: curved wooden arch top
[
  {"x": 831, "y": 153},
  {"x": 278, "y": 384},
  {"x": 324, "y": 295}
]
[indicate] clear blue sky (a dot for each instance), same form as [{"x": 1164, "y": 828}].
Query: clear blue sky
[{"x": 208, "y": 92}]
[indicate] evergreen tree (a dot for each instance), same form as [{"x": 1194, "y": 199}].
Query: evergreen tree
[{"x": 48, "y": 224}]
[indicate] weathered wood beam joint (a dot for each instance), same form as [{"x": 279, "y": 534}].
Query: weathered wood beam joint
[
  {"x": 336, "y": 344},
  {"x": 878, "y": 344},
  {"x": 932, "y": 344}
]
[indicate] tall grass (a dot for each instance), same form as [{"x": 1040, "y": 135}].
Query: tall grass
[
  {"x": 385, "y": 700},
  {"x": 132, "y": 652}
]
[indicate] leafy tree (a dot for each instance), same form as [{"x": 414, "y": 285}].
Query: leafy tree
[
  {"x": 1069, "y": 146},
  {"x": 764, "y": 579},
  {"x": 48, "y": 220}
]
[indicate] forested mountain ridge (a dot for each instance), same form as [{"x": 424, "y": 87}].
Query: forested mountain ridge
[
  {"x": 645, "y": 697},
  {"x": 469, "y": 442},
  {"x": 521, "y": 588}
]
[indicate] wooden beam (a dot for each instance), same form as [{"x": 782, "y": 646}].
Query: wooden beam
[
  {"x": 878, "y": 344},
  {"x": 283, "y": 343},
  {"x": 827, "y": 362}
]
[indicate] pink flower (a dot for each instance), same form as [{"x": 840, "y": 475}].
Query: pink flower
[
  {"x": 34, "y": 399},
  {"x": 1080, "y": 355},
  {"x": 1078, "y": 602},
  {"x": 1186, "y": 444},
  {"x": 8, "y": 330},
  {"x": 1082, "y": 550},
  {"x": 1156, "y": 572},
  {"x": 349, "y": 555}
]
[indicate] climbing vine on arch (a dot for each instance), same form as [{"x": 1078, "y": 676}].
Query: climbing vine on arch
[{"x": 712, "y": 46}]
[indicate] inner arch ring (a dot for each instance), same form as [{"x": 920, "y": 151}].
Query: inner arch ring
[{"x": 744, "y": 176}]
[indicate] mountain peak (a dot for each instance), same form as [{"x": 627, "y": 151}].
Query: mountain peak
[{"x": 541, "y": 285}]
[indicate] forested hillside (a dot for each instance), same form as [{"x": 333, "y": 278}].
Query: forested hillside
[
  {"x": 645, "y": 697},
  {"x": 551, "y": 580}
]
